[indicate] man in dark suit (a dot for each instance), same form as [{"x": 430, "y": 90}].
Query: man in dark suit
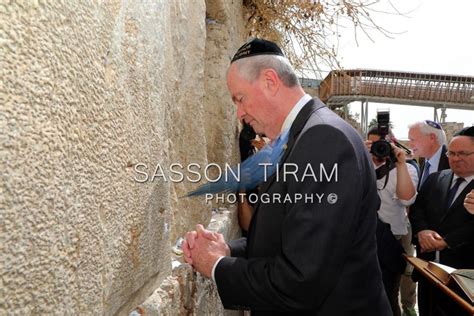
[
  {"x": 315, "y": 257},
  {"x": 443, "y": 228},
  {"x": 427, "y": 140}
]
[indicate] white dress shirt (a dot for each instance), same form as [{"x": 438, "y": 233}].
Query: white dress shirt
[
  {"x": 392, "y": 209},
  {"x": 461, "y": 186},
  {"x": 434, "y": 160}
]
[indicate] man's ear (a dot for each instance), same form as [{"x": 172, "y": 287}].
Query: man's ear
[{"x": 271, "y": 81}]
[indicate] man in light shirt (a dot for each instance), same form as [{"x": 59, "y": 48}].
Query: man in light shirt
[
  {"x": 396, "y": 185},
  {"x": 314, "y": 257}
]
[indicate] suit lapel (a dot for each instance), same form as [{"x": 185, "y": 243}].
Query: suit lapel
[
  {"x": 445, "y": 180},
  {"x": 446, "y": 185},
  {"x": 460, "y": 199},
  {"x": 295, "y": 131},
  {"x": 443, "y": 164}
]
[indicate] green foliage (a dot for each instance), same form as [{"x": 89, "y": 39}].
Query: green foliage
[{"x": 373, "y": 122}]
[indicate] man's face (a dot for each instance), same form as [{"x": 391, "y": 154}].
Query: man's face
[
  {"x": 420, "y": 143},
  {"x": 373, "y": 137},
  {"x": 252, "y": 104},
  {"x": 461, "y": 166}
]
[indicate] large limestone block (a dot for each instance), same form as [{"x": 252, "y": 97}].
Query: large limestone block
[
  {"x": 89, "y": 90},
  {"x": 186, "y": 292}
]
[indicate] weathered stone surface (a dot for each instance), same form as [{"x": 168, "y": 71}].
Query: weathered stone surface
[
  {"x": 186, "y": 292},
  {"x": 89, "y": 92},
  {"x": 451, "y": 128}
]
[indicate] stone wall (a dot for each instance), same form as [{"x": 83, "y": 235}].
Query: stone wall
[
  {"x": 92, "y": 92},
  {"x": 450, "y": 128}
]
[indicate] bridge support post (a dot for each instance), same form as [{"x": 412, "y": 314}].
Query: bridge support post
[
  {"x": 443, "y": 114},
  {"x": 364, "y": 113}
]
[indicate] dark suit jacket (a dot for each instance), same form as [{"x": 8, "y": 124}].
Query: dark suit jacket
[
  {"x": 455, "y": 224},
  {"x": 442, "y": 165},
  {"x": 318, "y": 259}
]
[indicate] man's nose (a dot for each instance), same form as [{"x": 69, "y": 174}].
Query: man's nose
[{"x": 240, "y": 112}]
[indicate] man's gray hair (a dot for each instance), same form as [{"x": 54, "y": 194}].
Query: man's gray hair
[
  {"x": 427, "y": 129},
  {"x": 251, "y": 67}
]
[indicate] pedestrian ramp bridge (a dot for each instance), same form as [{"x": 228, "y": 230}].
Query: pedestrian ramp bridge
[{"x": 341, "y": 87}]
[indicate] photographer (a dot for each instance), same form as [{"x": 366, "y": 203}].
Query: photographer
[{"x": 396, "y": 185}]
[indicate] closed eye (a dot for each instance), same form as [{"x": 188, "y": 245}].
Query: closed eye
[{"x": 237, "y": 99}]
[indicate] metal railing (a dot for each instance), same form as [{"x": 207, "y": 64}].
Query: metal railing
[{"x": 342, "y": 87}]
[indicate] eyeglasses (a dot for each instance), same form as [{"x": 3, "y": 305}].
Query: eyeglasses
[
  {"x": 460, "y": 154},
  {"x": 433, "y": 124}
]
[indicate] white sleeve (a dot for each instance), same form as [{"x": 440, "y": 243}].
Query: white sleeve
[
  {"x": 214, "y": 268},
  {"x": 414, "y": 178}
]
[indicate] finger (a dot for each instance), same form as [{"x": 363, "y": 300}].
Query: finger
[
  {"x": 190, "y": 238},
  {"x": 205, "y": 233},
  {"x": 187, "y": 252},
  {"x": 422, "y": 242},
  {"x": 437, "y": 236},
  {"x": 423, "y": 245},
  {"x": 188, "y": 260},
  {"x": 186, "y": 249},
  {"x": 427, "y": 243},
  {"x": 431, "y": 244},
  {"x": 201, "y": 231}
]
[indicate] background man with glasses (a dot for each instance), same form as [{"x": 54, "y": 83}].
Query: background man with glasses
[{"x": 443, "y": 227}]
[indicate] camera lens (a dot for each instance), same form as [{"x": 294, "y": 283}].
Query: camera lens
[{"x": 381, "y": 148}]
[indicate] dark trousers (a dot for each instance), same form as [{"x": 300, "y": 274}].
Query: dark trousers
[{"x": 391, "y": 283}]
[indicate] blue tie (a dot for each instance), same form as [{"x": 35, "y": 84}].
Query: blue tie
[
  {"x": 453, "y": 190},
  {"x": 426, "y": 172}
]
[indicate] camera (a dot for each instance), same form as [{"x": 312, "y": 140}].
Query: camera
[{"x": 382, "y": 148}]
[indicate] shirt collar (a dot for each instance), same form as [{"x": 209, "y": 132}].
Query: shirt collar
[
  {"x": 468, "y": 179},
  {"x": 434, "y": 160},
  {"x": 290, "y": 118}
]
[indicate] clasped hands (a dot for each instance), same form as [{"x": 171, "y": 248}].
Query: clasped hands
[
  {"x": 202, "y": 248},
  {"x": 430, "y": 240},
  {"x": 469, "y": 202}
]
